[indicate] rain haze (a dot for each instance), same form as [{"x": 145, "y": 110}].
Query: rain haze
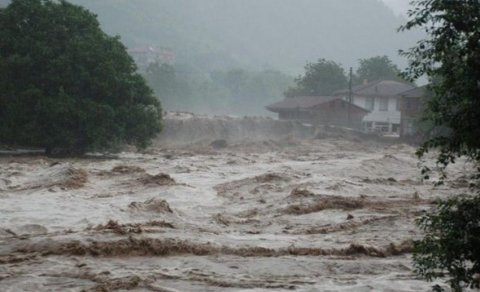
[
  {"x": 400, "y": 7},
  {"x": 213, "y": 46},
  {"x": 216, "y": 145}
]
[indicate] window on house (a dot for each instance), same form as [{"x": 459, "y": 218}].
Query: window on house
[
  {"x": 383, "y": 104},
  {"x": 395, "y": 128},
  {"x": 381, "y": 127},
  {"x": 367, "y": 126},
  {"x": 370, "y": 103},
  {"x": 410, "y": 129}
]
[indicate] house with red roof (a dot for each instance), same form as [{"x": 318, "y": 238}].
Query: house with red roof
[{"x": 320, "y": 110}]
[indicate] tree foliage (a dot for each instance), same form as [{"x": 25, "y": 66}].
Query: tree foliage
[
  {"x": 377, "y": 68},
  {"x": 450, "y": 56},
  {"x": 326, "y": 77},
  {"x": 248, "y": 91},
  {"x": 66, "y": 84},
  {"x": 236, "y": 91},
  {"x": 320, "y": 79},
  {"x": 452, "y": 242},
  {"x": 172, "y": 90}
]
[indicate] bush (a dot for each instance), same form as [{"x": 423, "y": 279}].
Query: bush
[
  {"x": 65, "y": 84},
  {"x": 451, "y": 243}
]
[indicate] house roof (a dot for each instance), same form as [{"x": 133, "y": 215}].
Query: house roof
[
  {"x": 378, "y": 88},
  {"x": 417, "y": 92},
  {"x": 304, "y": 103},
  {"x": 300, "y": 102}
]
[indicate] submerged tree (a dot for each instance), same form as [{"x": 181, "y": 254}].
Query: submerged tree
[
  {"x": 65, "y": 84},
  {"x": 451, "y": 57},
  {"x": 320, "y": 79}
]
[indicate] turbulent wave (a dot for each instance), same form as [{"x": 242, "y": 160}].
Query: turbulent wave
[{"x": 184, "y": 128}]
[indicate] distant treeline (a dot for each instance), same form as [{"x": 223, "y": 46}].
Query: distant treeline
[
  {"x": 242, "y": 92},
  {"x": 236, "y": 91}
]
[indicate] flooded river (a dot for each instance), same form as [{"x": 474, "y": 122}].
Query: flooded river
[{"x": 304, "y": 214}]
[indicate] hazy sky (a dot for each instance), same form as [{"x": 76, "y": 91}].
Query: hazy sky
[{"x": 398, "y": 6}]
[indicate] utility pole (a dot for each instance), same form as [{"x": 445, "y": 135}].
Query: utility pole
[{"x": 350, "y": 96}]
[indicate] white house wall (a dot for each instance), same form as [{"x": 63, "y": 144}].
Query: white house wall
[{"x": 391, "y": 116}]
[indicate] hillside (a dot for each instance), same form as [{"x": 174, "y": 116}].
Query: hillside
[{"x": 221, "y": 34}]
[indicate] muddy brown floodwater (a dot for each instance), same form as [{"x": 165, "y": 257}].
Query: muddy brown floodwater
[{"x": 327, "y": 214}]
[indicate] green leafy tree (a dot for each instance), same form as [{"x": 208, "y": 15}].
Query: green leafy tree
[
  {"x": 174, "y": 92},
  {"x": 235, "y": 80},
  {"x": 162, "y": 79},
  {"x": 248, "y": 92},
  {"x": 451, "y": 243},
  {"x": 65, "y": 84},
  {"x": 266, "y": 87},
  {"x": 236, "y": 91},
  {"x": 377, "y": 68},
  {"x": 259, "y": 89},
  {"x": 320, "y": 79},
  {"x": 450, "y": 56}
]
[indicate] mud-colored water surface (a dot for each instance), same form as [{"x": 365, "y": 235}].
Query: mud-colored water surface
[{"x": 327, "y": 214}]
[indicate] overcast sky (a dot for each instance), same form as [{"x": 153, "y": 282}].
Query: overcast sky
[{"x": 398, "y": 6}]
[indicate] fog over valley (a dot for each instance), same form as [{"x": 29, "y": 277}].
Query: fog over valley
[
  {"x": 219, "y": 49},
  {"x": 253, "y": 34}
]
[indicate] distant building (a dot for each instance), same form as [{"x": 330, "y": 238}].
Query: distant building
[
  {"x": 382, "y": 99},
  {"x": 144, "y": 56},
  {"x": 315, "y": 110},
  {"x": 412, "y": 105}
]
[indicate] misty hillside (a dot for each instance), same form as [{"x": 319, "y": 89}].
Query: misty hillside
[
  {"x": 238, "y": 56},
  {"x": 257, "y": 34}
]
